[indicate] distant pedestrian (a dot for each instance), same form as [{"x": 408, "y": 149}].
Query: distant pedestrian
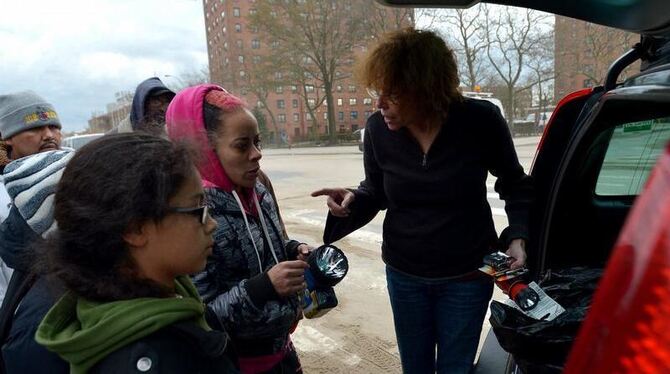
[
  {"x": 147, "y": 112},
  {"x": 427, "y": 154}
]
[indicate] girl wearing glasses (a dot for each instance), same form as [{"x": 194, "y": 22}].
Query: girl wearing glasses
[
  {"x": 131, "y": 226},
  {"x": 253, "y": 276}
]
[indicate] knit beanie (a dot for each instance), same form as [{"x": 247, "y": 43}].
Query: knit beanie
[
  {"x": 31, "y": 183},
  {"x": 25, "y": 110}
]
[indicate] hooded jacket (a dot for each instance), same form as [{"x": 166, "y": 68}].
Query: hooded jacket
[
  {"x": 87, "y": 334},
  {"x": 235, "y": 284},
  {"x": 149, "y": 87}
]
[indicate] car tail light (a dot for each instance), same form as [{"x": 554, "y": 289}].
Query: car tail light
[{"x": 628, "y": 327}]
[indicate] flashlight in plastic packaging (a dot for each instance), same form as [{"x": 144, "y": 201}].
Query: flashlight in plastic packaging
[
  {"x": 510, "y": 281},
  {"x": 327, "y": 267}
]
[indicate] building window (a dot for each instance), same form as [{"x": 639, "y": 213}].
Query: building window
[
  {"x": 281, "y": 118},
  {"x": 352, "y": 101},
  {"x": 278, "y": 75},
  {"x": 296, "y": 117},
  {"x": 225, "y": 45},
  {"x": 352, "y": 88},
  {"x": 354, "y": 114},
  {"x": 311, "y": 103},
  {"x": 252, "y": 11},
  {"x": 257, "y": 59},
  {"x": 274, "y": 44},
  {"x": 325, "y": 115},
  {"x": 255, "y": 44},
  {"x": 242, "y": 74},
  {"x": 254, "y": 29},
  {"x": 240, "y": 59},
  {"x": 309, "y": 117},
  {"x": 309, "y": 88},
  {"x": 279, "y": 89},
  {"x": 294, "y": 89},
  {"x": 236, "y": 12},
  {"x": 238, "y": 27},
  {"x": 339, "y": 88},
  {"x": 367, "y": 100},
  {"x": 294, "y": 103},
  {"x": 239, "y": 43},
  {"x": 340, "y": 116},
  {"x": 368, "y": 113},
  {"x": 281, "y": 104},
  {"x": 223, "y": 14},
  {"x": 339, "y": 102}
]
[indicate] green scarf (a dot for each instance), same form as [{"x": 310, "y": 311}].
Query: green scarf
[{"x": 83, "y": 332}]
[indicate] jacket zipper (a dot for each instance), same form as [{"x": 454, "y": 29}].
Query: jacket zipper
[{"x": 423, "y": 163}]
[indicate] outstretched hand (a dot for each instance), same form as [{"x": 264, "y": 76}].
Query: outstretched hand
[{"x": 338, "y": 201}]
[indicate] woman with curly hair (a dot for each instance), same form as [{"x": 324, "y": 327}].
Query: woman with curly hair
[
  {"x": 427, "y": 154},
  {"x": 132, "y": 225}
]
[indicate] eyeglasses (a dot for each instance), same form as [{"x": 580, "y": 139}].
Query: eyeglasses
[
  {"x": 202, "y": 212},
  {"x": 377, "y": 95}
]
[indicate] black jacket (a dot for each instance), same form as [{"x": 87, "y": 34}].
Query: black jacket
[
  {"x": 179, "y": 348},
  {"x": 20, "y": 352},
  {"x": 438, "y": 221}
]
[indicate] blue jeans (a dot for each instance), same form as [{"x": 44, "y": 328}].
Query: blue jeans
[{"x": 446, "y": 314}]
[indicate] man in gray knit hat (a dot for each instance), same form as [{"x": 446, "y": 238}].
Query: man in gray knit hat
[{"x": 28, "y": 124}]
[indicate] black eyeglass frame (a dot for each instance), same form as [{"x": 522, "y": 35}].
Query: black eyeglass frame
[{"x": 201, "y": 211}]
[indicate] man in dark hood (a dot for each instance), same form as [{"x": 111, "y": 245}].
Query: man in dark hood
[{"x": 147, "y": 113}]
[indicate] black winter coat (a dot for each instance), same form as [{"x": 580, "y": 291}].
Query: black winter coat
[{"x": 182, "y": 347}]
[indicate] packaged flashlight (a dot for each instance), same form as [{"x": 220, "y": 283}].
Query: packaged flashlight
[{"x": 327, "y": 267}]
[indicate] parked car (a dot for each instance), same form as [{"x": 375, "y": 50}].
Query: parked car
[
  {"x": 360, "y": 133},
  {"x": 77, "y": 141},
  {"x": 593, "y": 161}
]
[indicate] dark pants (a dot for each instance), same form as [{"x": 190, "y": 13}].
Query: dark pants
[{"x": 446, "y": 314}]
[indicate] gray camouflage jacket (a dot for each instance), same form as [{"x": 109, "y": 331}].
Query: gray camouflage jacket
[{"x": 232, "y": 285}]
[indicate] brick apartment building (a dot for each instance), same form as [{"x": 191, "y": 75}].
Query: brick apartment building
[
  {"x": 232, "y": 43},
  {"x": 583, "y": 52},
  {"x": 116, "y": 112}
]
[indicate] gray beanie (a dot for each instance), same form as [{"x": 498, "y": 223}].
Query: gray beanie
[{"x": 25, "y": 110}]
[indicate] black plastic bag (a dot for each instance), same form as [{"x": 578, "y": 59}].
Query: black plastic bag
[{"x": 543, "y": 346}]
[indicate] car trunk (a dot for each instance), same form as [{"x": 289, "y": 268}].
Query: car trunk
[{"x": 591, "y": 164}]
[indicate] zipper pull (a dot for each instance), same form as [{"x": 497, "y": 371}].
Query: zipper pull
[{"x": 423, "y": 163}]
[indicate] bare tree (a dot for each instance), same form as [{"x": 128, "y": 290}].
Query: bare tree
[
  {"x": 382, "y": 20},
  {"x": 601, "y": 46},
  {"x": 511, "y": 36},
  {"x": 466, "y": 33},
  {"x": 323, "y": 32},
  {"x": 259, "y": 79},
  {"x": 541, "y": 64}
]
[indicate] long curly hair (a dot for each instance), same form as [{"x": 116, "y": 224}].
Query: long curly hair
[
  {"x": 416, "y": 64},
  {"x": 113, "y": 186}
]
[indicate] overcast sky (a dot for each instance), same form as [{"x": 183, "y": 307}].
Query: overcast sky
[{"x": 78, "y": 53}]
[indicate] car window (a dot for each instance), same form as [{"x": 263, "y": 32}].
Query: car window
[{"x": 631, "y": 154}]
